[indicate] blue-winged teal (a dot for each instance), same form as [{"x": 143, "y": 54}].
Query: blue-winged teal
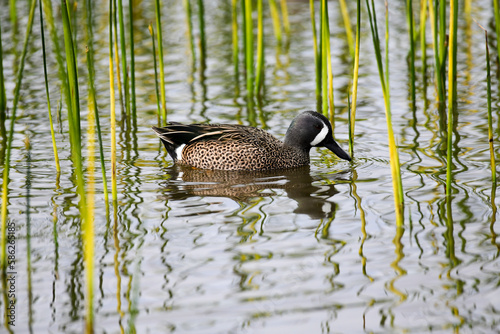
[{"x": 239, "y": 147}]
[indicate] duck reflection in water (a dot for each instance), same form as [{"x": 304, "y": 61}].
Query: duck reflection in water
[{"x": 313, "y": 199}]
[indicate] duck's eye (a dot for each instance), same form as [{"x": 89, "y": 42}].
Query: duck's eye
[{"x": 317, "y": 126}]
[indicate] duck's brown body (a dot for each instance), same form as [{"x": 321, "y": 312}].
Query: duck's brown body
[{"x": 238, "y": 147}]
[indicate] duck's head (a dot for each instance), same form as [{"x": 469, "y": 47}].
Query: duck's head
[{"x": 312, "y": 129}]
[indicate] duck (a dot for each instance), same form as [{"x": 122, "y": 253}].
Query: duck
[{"x": 241, "y": 147}]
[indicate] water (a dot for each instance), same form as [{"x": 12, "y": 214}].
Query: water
[{"x": 314, "y": 249}]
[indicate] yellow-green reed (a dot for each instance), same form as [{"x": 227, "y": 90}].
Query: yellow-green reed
[
  {"x": 284, "y": 14},
  {"x": 13, "y": 16},
  {"x": 352, "y": 111},
  {"x": 409, "y": 18},
  {"x": 275, "y": 16},
  {"x": 393, "y": 151},
  {"x": 203, "y": 40},
  {"x": 496, "y": 9},
  {"x": 132, "y": 62},
  {"x": 347, "y": 24},
  {"x": 86, "y": 212},
  {"x": 259, "y": 72},
  {"x": 3, "y": 95},
  {"x": 326, "y": 64},
  {"x": 435, "y": 19},
  {"x": 187, "y": 6},
  {"x": 248, "y": 33},
  {"x": 6, "y": 170},
  {"x": 117, "y": 56},
  {"x": 423, "y": 45},
  {"x": 52, "y": 133},
  {"x": 150, "y": 27},
  {"x": 490, "y": 117},
  {"x": 112, "y": 111},
  {"x": 236, "y": 51},
  {"x": 123, "y": 58},
  {"x": 92, "y": 99},
  {"x": 317, "y": 57},
  {"x": 452, "y": 90},
  {"x": 160, "y": 59}
]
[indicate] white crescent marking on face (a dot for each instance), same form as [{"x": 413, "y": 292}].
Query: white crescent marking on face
[
  {"x": 178, "y": 151},
  {"x": 320, "y": 136}
]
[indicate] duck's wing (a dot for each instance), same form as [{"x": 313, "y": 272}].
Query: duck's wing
[{"x": 174, "y": 135}]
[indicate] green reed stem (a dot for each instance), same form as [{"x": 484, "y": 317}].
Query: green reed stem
[
  {"x": 112, "y": 111},
  {"x": 452, "y": 75},
  {"x": 123, "y": 50},
  {"x": 156, "y": 74},
  {"x": 187, "y": 6},
  {"x": 3, "y": 95},
  {"x": 75, "y": 138},
  {"x": 409, "y": 17},
  {"x": 347, "y": 24},
  {"x": 160, "y": 57},
  {"x": 52, "y": 133},
  {"x": 259, "y": 78},
  {"x": 317, "y": 58},
  {"x": 236, "y": 51},
  {"x": 6, "y": 170},
  {"x": 92, "y": 95},
  {"x": 423, "y": 48},
  {"x": 249, "y": 47},
  {"x": 275, "y": 16},
  {"x": 352, "y": 113},
  {"x": 326, "y": 63},
  {"x": 117, "y": 56},
  {"x": 203, "y": 40},
  {"x": 132, "y": 62},
  {"x": 13, "y": 16},
  {"x": 490, "y": 117},
  {"x": 284, "y": 14},
  {"x": 496, "y": 9},
  {"x": 433, "y": 9},
  {"x": 393, "y": 152}
]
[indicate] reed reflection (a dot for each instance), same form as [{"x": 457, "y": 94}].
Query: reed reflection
[{"x": 241, "y": 186}]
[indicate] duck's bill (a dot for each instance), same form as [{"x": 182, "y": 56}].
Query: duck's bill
[{"x": 335, "y": 148}]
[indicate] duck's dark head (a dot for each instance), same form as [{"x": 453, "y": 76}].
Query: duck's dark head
[{"x": 312, "y": 129}]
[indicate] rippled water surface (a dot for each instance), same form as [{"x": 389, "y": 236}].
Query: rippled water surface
[{"x": 308, "y": 250}]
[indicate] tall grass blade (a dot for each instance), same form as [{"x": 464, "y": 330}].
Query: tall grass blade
[
  {"x": 249, "y": 49},
  {"x": 286, "y": 21},
  {"x": 156, "y": 74},
  {"x": 203, "y": 40},
  {"x": 352, "y": 113},
  {"x": 423, "y": 45},
  {"x": 160, "y": 58},
  {"x": 75, "y": 137},
  {"x": 52, "y": 133},
  {"x": 259, "y": 77},
  {"x": 317, "y": 57},
  {"x": 490, "y": 117},
  {"x": 409, "y": 17},
  {"x": 13, "y": 16},
  {"x": 112, "y": 111},
  {"x": 187, "y": 6},
  {"x": 92, "y": 96},
  {"x": 326, "y": 64},
  {"x": 393, "y": 152},
  {"x": 123, "y": 50},
  {"x": 434, "y": 19},
  {"x": 275, "y": 16},
  {"x": 132, "y": 63},
  {"x": 347, "y": 24},
  {"x": 3, "y": 101},
  {"x": 236, "y": 51},
  {"x": 496, "y": 10},
  {"x": 452, "y": 75},
  {"x": 6, "y": 170}
]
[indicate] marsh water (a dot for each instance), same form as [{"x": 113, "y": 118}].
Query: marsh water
[{"x": 308, "y": 250}]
